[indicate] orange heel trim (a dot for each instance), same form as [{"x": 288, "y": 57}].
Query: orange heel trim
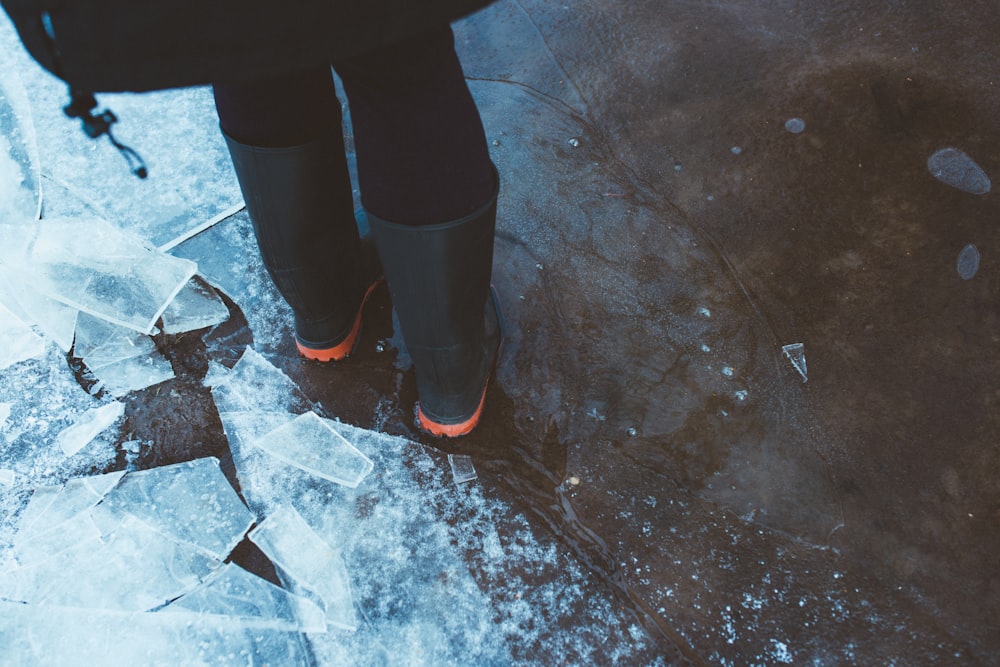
[
  {"x": 343, "y": 349},
  {"x": 451, "y": 430}
]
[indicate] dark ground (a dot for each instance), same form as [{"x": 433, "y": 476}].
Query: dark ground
[{"x": 661, "y": 237}]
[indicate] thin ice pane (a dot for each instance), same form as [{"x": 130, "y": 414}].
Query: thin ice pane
[
  {"x": 56, "y": 320},
  {"x": 49, "y": 635},
  {"x": 17, "y": 341},
  {"x": 308, "y": 443},
  {"x": 191, "y": 502},
  {"x": 796, "y": 354},
  {"x": 254, "y": 384},
  {"x": 246, "y": 427},
  {"x": 50, "y": 506},
  {"x": 462, "y": 468},
  {"x": 286, "y": 538},
  {"x": 232, "y": 591},
  {"x": 99, "y": 342},
  {"x": 195, "y": 307},
  {"x": 48, "y": 543},
  {"x": 133, "y": 568},
  {"x": 88, "y": 426},
  {"x": 93, "y": 266}
]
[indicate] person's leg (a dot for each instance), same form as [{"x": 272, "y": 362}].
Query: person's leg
[
  {"x": 430, "y": 191},
  {"x": 286, "y": 141}
]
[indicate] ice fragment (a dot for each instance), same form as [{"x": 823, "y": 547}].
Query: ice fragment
[
  {"x": 254, "y": 384},
  {"x": 286, "y": 538},
  {"x": 192, "y": 503},
  {"x": 7, "y": 477},
  {"x": 796, "y": 354},
  {"x": 968, "y": 262},
  {"x": 17, "y": 341},
  {"x": 88, "y": 426},
  {"x": 196, "y": 306},
  {"x": 95, "y": 267},
  {"x": 56, "y": 320},
  {"x": 232, "y": 591},
  {"x": 462, "y": 468},
  {"x": 953, "y": 167},
  {"x": 307, "y": 442}
]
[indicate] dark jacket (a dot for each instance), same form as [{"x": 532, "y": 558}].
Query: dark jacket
[{"x": 139, "y": 45}]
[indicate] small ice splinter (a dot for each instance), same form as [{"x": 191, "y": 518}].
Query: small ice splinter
[
  {"x": 796, "y": 354},
  {"x": 462, "y": 468}
]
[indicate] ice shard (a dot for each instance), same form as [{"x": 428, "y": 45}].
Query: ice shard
[
  {"x": 953, "y": 167},
  {"x": 56, "y": 320},
  {"x": 308, "y": 443},
  {"x": 192, "y": 503},
  {"x": 233, "y": 592},
  {"x": 132, "y": 568},
  {"x": 196, "y": 306},
  {"x": 254, "y": 384},
  {"x": 796, "y": 354},
  {"x": 286, "y": 538},
  {"x": 51, "y": 506},
  {"x": 123, "y": 359},
  {"x": 17, "y": 341},
  {"x": 88, "y": 426},
  {"x": 462, "y": 468},
  {"x": 95, "y": 267},
  {"x": 7, "y": 477}
]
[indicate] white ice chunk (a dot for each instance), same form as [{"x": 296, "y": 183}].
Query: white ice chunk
[
  {"x": 310, "y": 444},
  {"x": 7, "y": 477},
  {"x": 133, "y": 568},
  {"x": 190, "y": 502},
  {"x": 55, "y": 635},
  {"x": 134, "y": 374},
  {"x": 968, "y": 262},
  {"x": 16, "y": 200},
  {"x": 95, "y": 267},
  {"x": 247, "y": 427},
  {"x": 254, "y": 384},
  {"x": 953, "y": 167},
  {"x": 47, "y": 543},
  {"x": 88, "y": 426},
  {"x": 17, "y": 341},
  {"x": 124, "y": 360},
  {"x": 232, "y": 591},
  {"x": 56, "y": 320},
  {"x": 51, "y": 506},
  {"x": 195, "y": 307},
  {"x": 286, "y": 538},
  {"x": 796, "y": 353},
  {"x": 462, "y": 468}
]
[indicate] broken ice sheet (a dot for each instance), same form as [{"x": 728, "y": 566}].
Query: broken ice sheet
[
  {"x": 124, "y": 360},
  {"x": 190, "y": 502},
  {"x": 195, "y": 307},
  {"x": 462, "y": 468},
  {"x": 50, "y": 506},
  {"x": 254, "y": 384},
  {"x": 93, "y": 266},
  {"x": 234, "y": 592},
  {"x": 286, "y": 538},
  {"x": 796, "y": 353},
  {"x": 132, "y": 568},
  {"x": 307, "y": 442},
  {"x": 953, "y": 167},
  {"x": 88, "y": 426},
  {"x": 56, "y": 320},
  {"x": 17, "y": 341}
]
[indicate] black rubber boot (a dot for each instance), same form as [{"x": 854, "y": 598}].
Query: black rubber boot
[
  {"x": 300, "y": 202},
  {"x": 439, "y": 278}
]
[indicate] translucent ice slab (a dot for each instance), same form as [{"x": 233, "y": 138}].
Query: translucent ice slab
[
  {"x": 56, "y": 320},
  {"x": 195, "y": 307},
  {"x": 88, "y": 426},
  {"x": 123, "y": 359},
  {"x": 796, "y": 354},
  {"x": 93, "y": 266},
  {"x": 286, "y": 538},
  {"x": 189, "y": 502},
  {"x": 462, "y": 468},
  {"x": 232, "y": 591},
  {"x": 132, "y": 568},
  {"x": 17, "y": 341},
  {"x": 50, "y": 506},
  {"x": 254, "y": 384},
  {"x": 308, "y": 443},
  {"x": 56, "y": 635}
]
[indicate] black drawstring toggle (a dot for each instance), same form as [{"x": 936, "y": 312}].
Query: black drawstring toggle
[{"x": 95, "y": 125}]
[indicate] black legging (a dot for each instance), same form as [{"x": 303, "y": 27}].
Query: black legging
[{"x": 421, "y": 150}]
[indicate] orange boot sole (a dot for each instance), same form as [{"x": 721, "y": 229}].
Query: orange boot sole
[{"x": 343, "y": 349}]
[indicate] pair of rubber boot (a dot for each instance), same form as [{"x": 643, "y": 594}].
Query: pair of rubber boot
[{"x": 438, "y": 275}]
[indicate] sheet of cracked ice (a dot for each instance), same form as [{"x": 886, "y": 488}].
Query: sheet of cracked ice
[
  {"x": 122, "y": 359},
  {"x": 93, "y": 266},
  {"x": 118, "y": 639},
  {"x": 176, "y": 132},
  {"x": 190, "y": 502},
  {"x": 235, "y": 593},
  {"x": 196, "y": 306},
  {"x": 433, "y": 577},
  {"x": 56, "y": 320},
  {"x": 17, "y": 341}
]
